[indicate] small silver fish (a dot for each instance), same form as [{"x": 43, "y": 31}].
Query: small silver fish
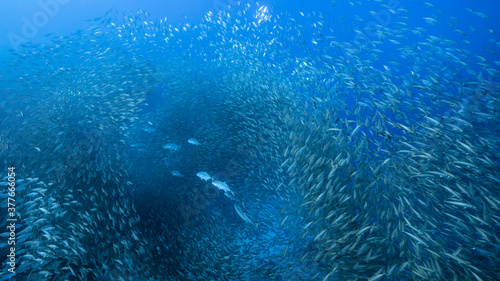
[{"x": 243, "y": 215}]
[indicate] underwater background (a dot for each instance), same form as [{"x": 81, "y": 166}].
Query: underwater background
[{"x": 242, "y": 140}]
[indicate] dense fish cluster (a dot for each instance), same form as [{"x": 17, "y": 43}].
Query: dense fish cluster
[{"x": 256, "y": 146}]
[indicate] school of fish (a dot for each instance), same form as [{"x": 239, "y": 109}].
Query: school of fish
[{"x": 256, "y": 146}]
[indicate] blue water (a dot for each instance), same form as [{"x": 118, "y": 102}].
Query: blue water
[{"x": 92, "y": 93}]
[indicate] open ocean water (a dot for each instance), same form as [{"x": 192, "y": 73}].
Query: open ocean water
[{"x": 234, "y": 140}]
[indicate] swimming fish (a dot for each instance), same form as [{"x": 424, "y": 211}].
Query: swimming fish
[
  {"x": 176, "y": 174},
  {"x": 243, "y": 215},
  {"x": 204, "y": 176},
  {"x": 193, "y": 141},
  {"x": 221, "y": 185},
  {"x": 171, "y": 146}
]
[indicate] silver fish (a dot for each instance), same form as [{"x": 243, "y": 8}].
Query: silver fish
[{"x": 204, "y": 176}]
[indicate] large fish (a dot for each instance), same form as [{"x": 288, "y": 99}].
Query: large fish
[
  {"x": 171, "y": 146},
  {"x": 204, "y": 176},
  {"x": 221, "y": 185},
  {"x": 176, "y": 173},
  {"x": 193, "y": 141}
]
